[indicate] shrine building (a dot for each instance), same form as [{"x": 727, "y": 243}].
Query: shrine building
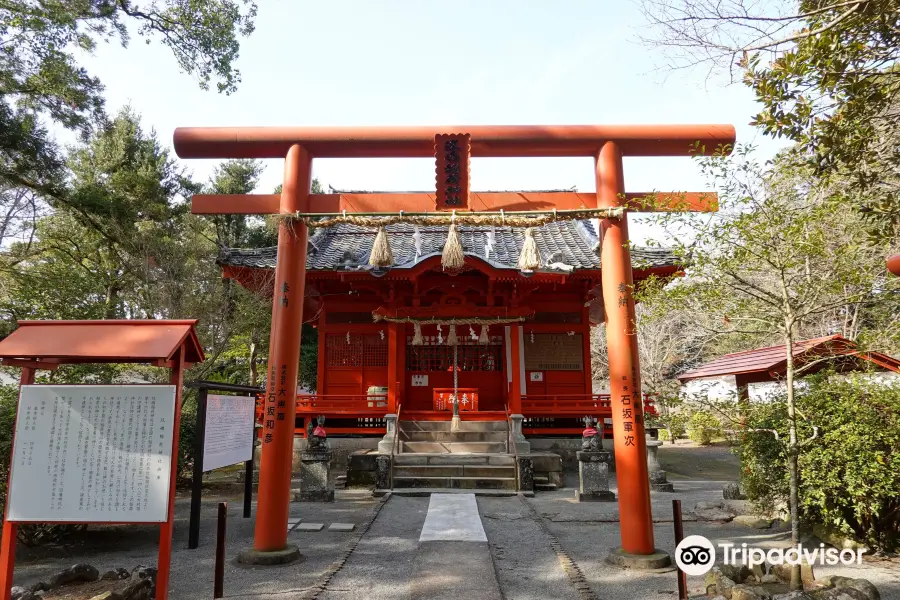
[{"x": 522, "y": 338}]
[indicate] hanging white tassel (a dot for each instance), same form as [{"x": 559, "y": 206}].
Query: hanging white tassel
[
  {"x": 417, "y": 335},
  {"x": 348, "y": 338},
  {"x": 381, "y": 255},
  {"x": 452, "y": 340},
  {"x": 529, "y": 259},
  {"x": 440, "y": 335},
  {"x": 472, "y": 333},
  {"x": 491, "y": 241},
  {"x": 417, "y": 240},
  {"x": 483, "y": 338}
]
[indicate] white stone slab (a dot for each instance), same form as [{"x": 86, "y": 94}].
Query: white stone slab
[
  {"x": 343, "y": 527},
  {"x": 292, "y": 523},
  {"x": 452, "y": 518},
  {"x": 310, "y": 527}
]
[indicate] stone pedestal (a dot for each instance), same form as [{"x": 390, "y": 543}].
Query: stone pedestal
[
  {"x": 593, "y": 477},
  {"x": 516, "y": 436},
  {"x": 383, "y": 472},
  {"x": 316, "y": 484},
  {"x": 390, "y": 434},
  {"x": 526, "y": 474},
  {"x": 658, "y": 480}
]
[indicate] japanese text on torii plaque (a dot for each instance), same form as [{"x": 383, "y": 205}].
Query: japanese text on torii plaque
[{"x": 451, "y": 157}]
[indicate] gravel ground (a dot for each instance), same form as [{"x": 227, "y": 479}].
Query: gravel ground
[
  {"x": 389, "y": 562},
  {"x": 588, "y": 530},
  {"x": 192, "y": 570},
  {"x": 526, "y": 566}
]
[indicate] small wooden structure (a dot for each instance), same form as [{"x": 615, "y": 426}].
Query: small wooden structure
[
  {"x": 770, "y": 364},
  {"x": 48, "y": 344}
]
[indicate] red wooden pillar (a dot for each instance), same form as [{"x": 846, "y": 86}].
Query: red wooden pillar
[
  {"x": 393, "y": 386},
  {"x": 176, "y": 378},
  {"x": 515, "y": 363},
  {"x": 8, "y": 544},
  {"x": 586, "y": 350},
  {"x": 636, "y": 523},
  {"x": 284, "y": 358}
]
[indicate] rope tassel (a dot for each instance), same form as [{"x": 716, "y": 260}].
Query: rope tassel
[
  {"x": 453, "y": 258},
  {"x": 417, "y": 335},
  {"x": 483, "y": 338},
  {"x": 529, "y": 259},
  {"x": 452, "y": 340},
  {"x": 381, "y": 255}
]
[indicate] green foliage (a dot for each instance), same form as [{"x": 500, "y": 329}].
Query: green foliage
[
  {"x": 834, "y": 92},
  {"x": 703, "y": 427},
  {"x": 41, "y": 78},
  {"x": 850, "y": 472}
]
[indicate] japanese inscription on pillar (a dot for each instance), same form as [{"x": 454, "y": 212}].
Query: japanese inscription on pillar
[
  {"x": 92, "y": 453},
  {"x": 632, "y": 407},
  {"x": 451, "y": 154}
]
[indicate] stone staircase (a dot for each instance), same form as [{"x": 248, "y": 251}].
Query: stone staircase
[{"x": 473, "y": 458}]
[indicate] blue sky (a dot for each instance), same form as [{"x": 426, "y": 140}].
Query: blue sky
[{"x": 457, "y": 62}]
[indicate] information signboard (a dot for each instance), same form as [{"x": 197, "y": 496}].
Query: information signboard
[
  {"x": 92, "y": 453},
  {"x": 228, "y": 437}
]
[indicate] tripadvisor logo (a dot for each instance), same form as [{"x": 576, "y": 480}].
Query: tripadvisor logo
[{"x": 696, "y": 555}]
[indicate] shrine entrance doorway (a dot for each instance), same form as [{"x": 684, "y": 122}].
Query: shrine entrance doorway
[{"x": 480, "y": 371}]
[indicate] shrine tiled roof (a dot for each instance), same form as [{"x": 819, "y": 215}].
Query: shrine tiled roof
[{"x": 563, "y": 246}]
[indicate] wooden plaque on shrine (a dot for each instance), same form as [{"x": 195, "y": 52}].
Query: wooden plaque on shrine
[
  {"x": 451, "y": 157},
  {"x": 443, "y": 398}
]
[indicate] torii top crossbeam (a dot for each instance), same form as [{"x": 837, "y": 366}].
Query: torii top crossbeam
[{"x": 406, "y": 142}]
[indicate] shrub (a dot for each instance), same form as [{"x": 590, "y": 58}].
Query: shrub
[
  {"x": 703, "y": 427},
  {"x": 849, "y": 474},
  {"x": 664, "y": 435}
]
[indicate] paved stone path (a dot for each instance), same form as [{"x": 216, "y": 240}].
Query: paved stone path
[{"x": 438, "y": 548}]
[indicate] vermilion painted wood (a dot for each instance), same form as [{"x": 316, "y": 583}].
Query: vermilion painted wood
[
  {"x": 893, "y": 264},
  {"x": 166, "y": 529},
  {"x": 624, "y": 369},
  {"x": 268, "y": 204},
  {"x": 404, "y": 142},
  {"x": 103, "y": 341},
  {"x": 287, "y": 318},
  {"x": 8, "y": 543}
]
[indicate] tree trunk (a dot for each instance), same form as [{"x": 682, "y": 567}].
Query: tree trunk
[
  {"x": 112, "y": 301},
  {"x": 254, "y": 373},
  {"x": 793, "y": 467}
]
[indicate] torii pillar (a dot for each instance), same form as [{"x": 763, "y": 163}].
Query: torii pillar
[
  {"x": 635, "y": 518},
  {"x": 273, "y": 499}
]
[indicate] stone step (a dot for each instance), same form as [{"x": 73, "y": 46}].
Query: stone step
[
  {"x": 455, "y": 447},
  {"x": 454, "y": 459},
  {"x": 544, "y": 487},
  {"x": 454, "y": 436},
  {"x": 445, "y": 425},
  {"x": 541, "y": 479},
  {"x": 419, "y": 492},
  {"x": 464, "y": 483},
  {"x": 455, "y": 471}
]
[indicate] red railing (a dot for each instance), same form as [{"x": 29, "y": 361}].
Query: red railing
[
  {"x": 574, "y": 404},
  {"x": 342, "y": 403}
]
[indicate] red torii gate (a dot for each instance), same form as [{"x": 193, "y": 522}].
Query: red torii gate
[{"x": 299, "y": 145}]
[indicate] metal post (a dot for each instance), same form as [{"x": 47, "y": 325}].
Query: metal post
[
  {"x": 679, "y": 535},
  {"x": 197, "y": 476},
  {"x": 219, "y": 583},
  {"x": 248, "y": 475}
]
